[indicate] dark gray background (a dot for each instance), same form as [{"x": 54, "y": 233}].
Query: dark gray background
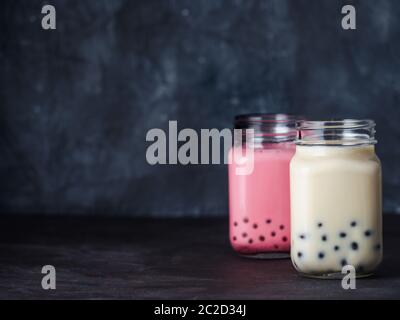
[{"x": 76, "y": 103}]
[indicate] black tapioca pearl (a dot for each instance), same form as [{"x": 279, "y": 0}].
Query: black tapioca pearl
[
  {"x": 255, "y": 226},
  {"x": 343, "y": 234},
  {"x": 353, "y": 224},
  {"x": 234, "y": 238},
  {"x": 321, "y": 255},
  {"x": 354, "y": 245},
  {"x": 276, "y": 246},
  {"x": 343, "y": 262},
  {"x": 244, "y": 235},
  {"x": 319, "y": 224},
  {"x": 246, "y": 220},
  {"x": 262, "y": 238},
  {"x": 302, "y": 236},
  {"x": 299, "y": 254},
  {"x": 250, "y": 241},
  {"x": 273, "y": 234},
  {"x": 360, "y": 269},
  {"x": 368, "y": 233},
  {"x": 235, "y": 224},
  {"x": 281, "y": 227},
  {"x": 324, "y": 238},
  {"x": 284, "y": 239},
  {"x": 336, "y": 248},
  {"x": 268, "y": 221}
]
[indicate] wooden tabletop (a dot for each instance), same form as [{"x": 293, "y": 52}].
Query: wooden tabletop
[{"x": 117, "y": 258}]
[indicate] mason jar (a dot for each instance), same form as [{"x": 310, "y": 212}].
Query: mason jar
[
  {"x": 336, "y": 206},
  {"x": 259, "y": 197}
]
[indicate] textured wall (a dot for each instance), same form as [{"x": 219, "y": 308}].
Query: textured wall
[{"x": 76, "y": 103}]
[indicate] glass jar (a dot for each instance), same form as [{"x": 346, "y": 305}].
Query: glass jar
[
  {"x": 259, "y": 199},
  {"x": 336, "y": 210}
]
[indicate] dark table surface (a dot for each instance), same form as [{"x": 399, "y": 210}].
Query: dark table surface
[{"x": 105, "y": 258}]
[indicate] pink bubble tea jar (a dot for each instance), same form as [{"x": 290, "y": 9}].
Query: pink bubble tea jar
[{"x": 259, "y": 196}]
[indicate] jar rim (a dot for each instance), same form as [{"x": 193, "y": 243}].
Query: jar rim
[
  {"x": 335, "y": 124},
  {"x": 266, "y": 118},
  {"x": 267, "y": 127},
  {"x": 336, "y": 132}
]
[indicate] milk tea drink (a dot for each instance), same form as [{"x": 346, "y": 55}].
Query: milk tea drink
[
  {"x": 259, "y": 202},
  {"x": 336, "y": 208}
]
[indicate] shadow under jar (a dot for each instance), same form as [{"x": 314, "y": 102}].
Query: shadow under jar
[
  {"x": 259, "y": 197},
  {"x": 336, "y": 210}
]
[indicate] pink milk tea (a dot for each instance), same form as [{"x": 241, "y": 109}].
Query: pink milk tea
[{"x": 259, "y": 202}]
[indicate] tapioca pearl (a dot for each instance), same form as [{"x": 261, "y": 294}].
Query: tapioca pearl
[
  {"x": 321, "y": 255},
  {"x": 235, "y": 224},
  {"x": 276, "y": 246},
  {"x": 281, "y": 227},
  {"x": 268, "y": 221},
  {"x": 246, "y": 220},
  {"x": 255, "y": 226},
  {"x": 343, "y": 262},
  {"x": 244, "y": 235},
  {"x": 343, "y": 234},
  {"x": 299, "y": 254},
  {"x": 368, "y": 233},
  {"x": 284, "y": 239},
  {"x": 353, "y": 224},
  {"x": 324, "y": 238},
  {"x": 262, "y": 238},
  {"x": 302, "y": 236},
  {"x": 336, "y": 248},
  {"x": 234, "y": 238},
  {"x": 319, "y": 224},
  {"x": 354, "y": 245},
  {"x": 250, "y": 241},
  {"x": 273, "y": 234}
]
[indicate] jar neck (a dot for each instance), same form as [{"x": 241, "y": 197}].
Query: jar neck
[
  {"x": 345, "y": 132},
  {"x": 263, "y": 129}
]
